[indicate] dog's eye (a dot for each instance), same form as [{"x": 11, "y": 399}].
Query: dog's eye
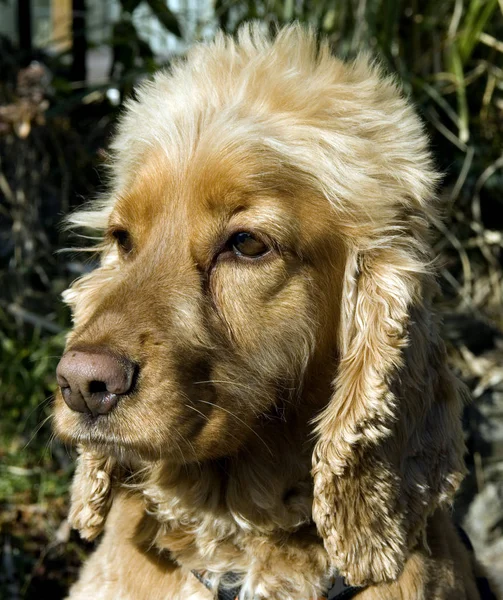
[
  {"x": 244, "y": 243},
  {"x": 123, "y": 239}
]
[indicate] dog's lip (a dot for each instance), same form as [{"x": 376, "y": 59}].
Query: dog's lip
[
  {"x": 93, "y": 431},
  {"x": 94, "y": 418}
]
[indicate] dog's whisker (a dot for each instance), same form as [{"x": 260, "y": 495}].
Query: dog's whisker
[
  {"x": 40, "y": 406},
  {"x": 225, "y": 382},
  {"x": 198, "y": 412},
  {"x": 48, "y": 445},
  {"x": 241, "y": 421},
  {"x": 182, "y": 456},
  {"x": 37, "y": 429},
  {"x": 208, "y": 420}
]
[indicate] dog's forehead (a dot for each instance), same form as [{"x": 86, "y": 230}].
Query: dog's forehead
[{"x": 208, "y": 180}]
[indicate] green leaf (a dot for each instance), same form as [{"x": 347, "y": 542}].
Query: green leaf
[
  {"x": 456, "y": 68},
  {"x": 129, "y": 5},
  {"x": 165, "y": 16},
  {"x": 479, "y": 13}
]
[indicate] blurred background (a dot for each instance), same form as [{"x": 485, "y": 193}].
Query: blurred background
[{"x": 66, "y": 67}]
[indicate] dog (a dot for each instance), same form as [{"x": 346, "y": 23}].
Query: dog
[{"x": 255, "y": 379}]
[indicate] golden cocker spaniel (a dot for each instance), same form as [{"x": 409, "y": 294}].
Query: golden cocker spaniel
[{"x": 255, "y": 379}]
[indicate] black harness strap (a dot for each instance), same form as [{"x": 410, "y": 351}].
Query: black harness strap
[
  {"x": 225, "y": 592},
  {"x": 339, "y": 591}
]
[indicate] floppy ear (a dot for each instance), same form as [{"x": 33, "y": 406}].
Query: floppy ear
[
  {"x": 92, "y": 492},
  {"x": 390, "y": 446}
]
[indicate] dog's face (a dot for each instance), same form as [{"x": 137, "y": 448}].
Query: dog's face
[
  {"x": 219, "y": 285},
  {"x": 266, "y": 233}
]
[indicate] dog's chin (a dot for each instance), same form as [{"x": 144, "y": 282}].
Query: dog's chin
[{"x": 125, "y": 450}]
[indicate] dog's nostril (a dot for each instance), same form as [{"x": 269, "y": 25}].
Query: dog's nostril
[
  {"x": 95, "y": 387},
  {"x": 67, "y": 396}
]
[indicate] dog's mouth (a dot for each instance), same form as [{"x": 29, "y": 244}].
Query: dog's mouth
[
  {"x": 99, "y": 402},
  {"x": 150, "y": 426},
  {"x": 97, "y": 427}
]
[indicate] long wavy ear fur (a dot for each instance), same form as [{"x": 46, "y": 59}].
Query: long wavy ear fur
[
  {"x": 390, "y": 446},
  {"x": 92, "y": 493}
]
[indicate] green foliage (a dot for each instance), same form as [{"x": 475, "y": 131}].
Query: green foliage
[
  {"x": 27, "y": 386},
  {"x": 476, "y": 20},
  {"x": 28, "y": 367},
  {"x": 132, "y": 55},
  {"x": 168, "y": 19}
]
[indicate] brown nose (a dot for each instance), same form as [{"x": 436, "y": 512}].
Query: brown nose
[{"x": 91, "y": 381}]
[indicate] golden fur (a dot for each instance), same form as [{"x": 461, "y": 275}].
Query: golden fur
[{"x": 294, "y": 415}]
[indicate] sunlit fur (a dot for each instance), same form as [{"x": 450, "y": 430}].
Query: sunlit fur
[{"x": 293, "y": 414}]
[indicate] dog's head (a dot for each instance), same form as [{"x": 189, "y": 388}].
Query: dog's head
[{"x": 267, "y": 227}]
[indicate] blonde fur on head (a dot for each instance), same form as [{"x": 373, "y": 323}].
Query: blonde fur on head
[{"x": 239, "y": 359}]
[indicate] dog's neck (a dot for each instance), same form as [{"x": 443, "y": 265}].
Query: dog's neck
[{"x": 202, "y": 513}]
